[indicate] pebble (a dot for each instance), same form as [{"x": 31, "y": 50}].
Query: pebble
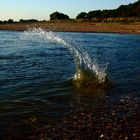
[{"x": 102, "y": 136}]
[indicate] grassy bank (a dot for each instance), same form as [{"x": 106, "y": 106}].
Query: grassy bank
[{"x": 78, "y": 26}]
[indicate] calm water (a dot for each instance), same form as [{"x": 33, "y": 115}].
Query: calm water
[{"x": 36, "y": 73}]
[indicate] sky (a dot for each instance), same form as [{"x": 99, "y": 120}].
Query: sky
[{"x": 41, "y": 9}]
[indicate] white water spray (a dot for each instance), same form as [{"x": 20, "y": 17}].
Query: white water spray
[{"x": 80, "y": 56}]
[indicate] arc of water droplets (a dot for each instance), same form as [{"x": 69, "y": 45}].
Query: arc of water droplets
[{"x": 80, "y": 57}]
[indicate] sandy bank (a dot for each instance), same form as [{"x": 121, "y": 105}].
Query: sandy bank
[{"x": 78, "y": 27}]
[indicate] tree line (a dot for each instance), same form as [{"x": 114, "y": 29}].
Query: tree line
[
  {"x": 11, "y": 21},
  {"x": 124, "y": 11}
]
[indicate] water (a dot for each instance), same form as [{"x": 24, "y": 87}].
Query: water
[{"x": 49, "y": 75}]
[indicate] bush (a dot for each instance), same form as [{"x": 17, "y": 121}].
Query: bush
[{"x": 28, "y": 21}]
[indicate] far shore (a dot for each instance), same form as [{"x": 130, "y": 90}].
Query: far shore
[{"x": 65, "y": 26}]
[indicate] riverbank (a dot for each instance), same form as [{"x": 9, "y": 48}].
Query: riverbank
[{"x": 101, "y": 27}]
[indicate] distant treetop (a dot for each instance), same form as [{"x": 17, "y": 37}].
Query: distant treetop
[
  {"x": 58, "y": 16},
  {"x": 28, "y": 20}
]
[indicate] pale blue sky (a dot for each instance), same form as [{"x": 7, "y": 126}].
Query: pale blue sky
[{"x": 41, "y": 9}]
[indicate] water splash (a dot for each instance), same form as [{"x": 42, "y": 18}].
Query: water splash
[{"x": 87, "y": 69}]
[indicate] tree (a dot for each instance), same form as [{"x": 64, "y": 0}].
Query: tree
[
  {"x": 58, "y": 16},
  {"x": 108, "y": 13},
  {"x": 10, "y": 21},
  {"x": 82, "y": 15},
  {"x": 94, "y": 14}
]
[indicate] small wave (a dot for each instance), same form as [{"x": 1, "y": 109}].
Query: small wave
[{"x": 10, "y": 57}]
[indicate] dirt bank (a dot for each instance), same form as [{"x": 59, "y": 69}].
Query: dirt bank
[{"x": 105, "y": 27}]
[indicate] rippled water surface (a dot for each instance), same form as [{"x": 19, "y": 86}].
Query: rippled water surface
[{"x": 36, "y": 74}]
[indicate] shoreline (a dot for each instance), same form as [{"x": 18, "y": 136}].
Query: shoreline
[
  {"x": 99, "y": 122},
  {"x": 87, "y": 27}
]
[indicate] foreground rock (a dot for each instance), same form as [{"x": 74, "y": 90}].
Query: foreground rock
[{"x": 113, "y": 122}]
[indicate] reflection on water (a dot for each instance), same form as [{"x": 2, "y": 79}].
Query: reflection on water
[{"x": 37, "y": 81}]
